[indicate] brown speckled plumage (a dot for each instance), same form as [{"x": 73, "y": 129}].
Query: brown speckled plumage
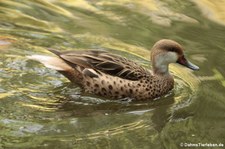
[{"x": 113, "y": 76}]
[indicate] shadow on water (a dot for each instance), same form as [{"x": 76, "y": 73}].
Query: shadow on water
[{"x": 40, "y": 109}]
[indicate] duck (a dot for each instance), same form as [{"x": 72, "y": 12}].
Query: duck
[{"x": 109, "y": 75}]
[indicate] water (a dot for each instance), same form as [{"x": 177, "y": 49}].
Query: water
[{"x": 41, "y": 109}]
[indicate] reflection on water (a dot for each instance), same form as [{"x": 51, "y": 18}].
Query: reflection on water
[{"x": 41, "y": 109}]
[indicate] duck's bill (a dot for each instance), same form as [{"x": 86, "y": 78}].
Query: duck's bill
[{"x": 183, "y": 61}]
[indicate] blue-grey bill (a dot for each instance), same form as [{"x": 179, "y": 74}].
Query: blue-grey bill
[
  {"x": 183, "y": 61},
  {"x": 191, "y": 65}
]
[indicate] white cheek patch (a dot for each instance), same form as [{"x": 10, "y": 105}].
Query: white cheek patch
[
  {"x": 166, "y": 58},
  {"x": 163, "y": 60},
  {"x": 171, "y": 57}
]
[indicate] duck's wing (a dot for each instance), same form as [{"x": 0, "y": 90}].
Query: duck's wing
[{"x": 102, "y": 61}]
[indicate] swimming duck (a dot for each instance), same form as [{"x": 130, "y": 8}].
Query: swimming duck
[{"x": 109, "y": 75}]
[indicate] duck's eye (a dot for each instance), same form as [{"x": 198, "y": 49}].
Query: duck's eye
[{"x": 172, "y": 49}]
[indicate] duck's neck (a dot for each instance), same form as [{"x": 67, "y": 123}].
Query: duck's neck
[
  {"x": 161, "y": 70},
  {"x": 160, "y": 67}
]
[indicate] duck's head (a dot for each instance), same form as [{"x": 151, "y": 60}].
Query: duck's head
[{"x": 167, "y": 51}]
